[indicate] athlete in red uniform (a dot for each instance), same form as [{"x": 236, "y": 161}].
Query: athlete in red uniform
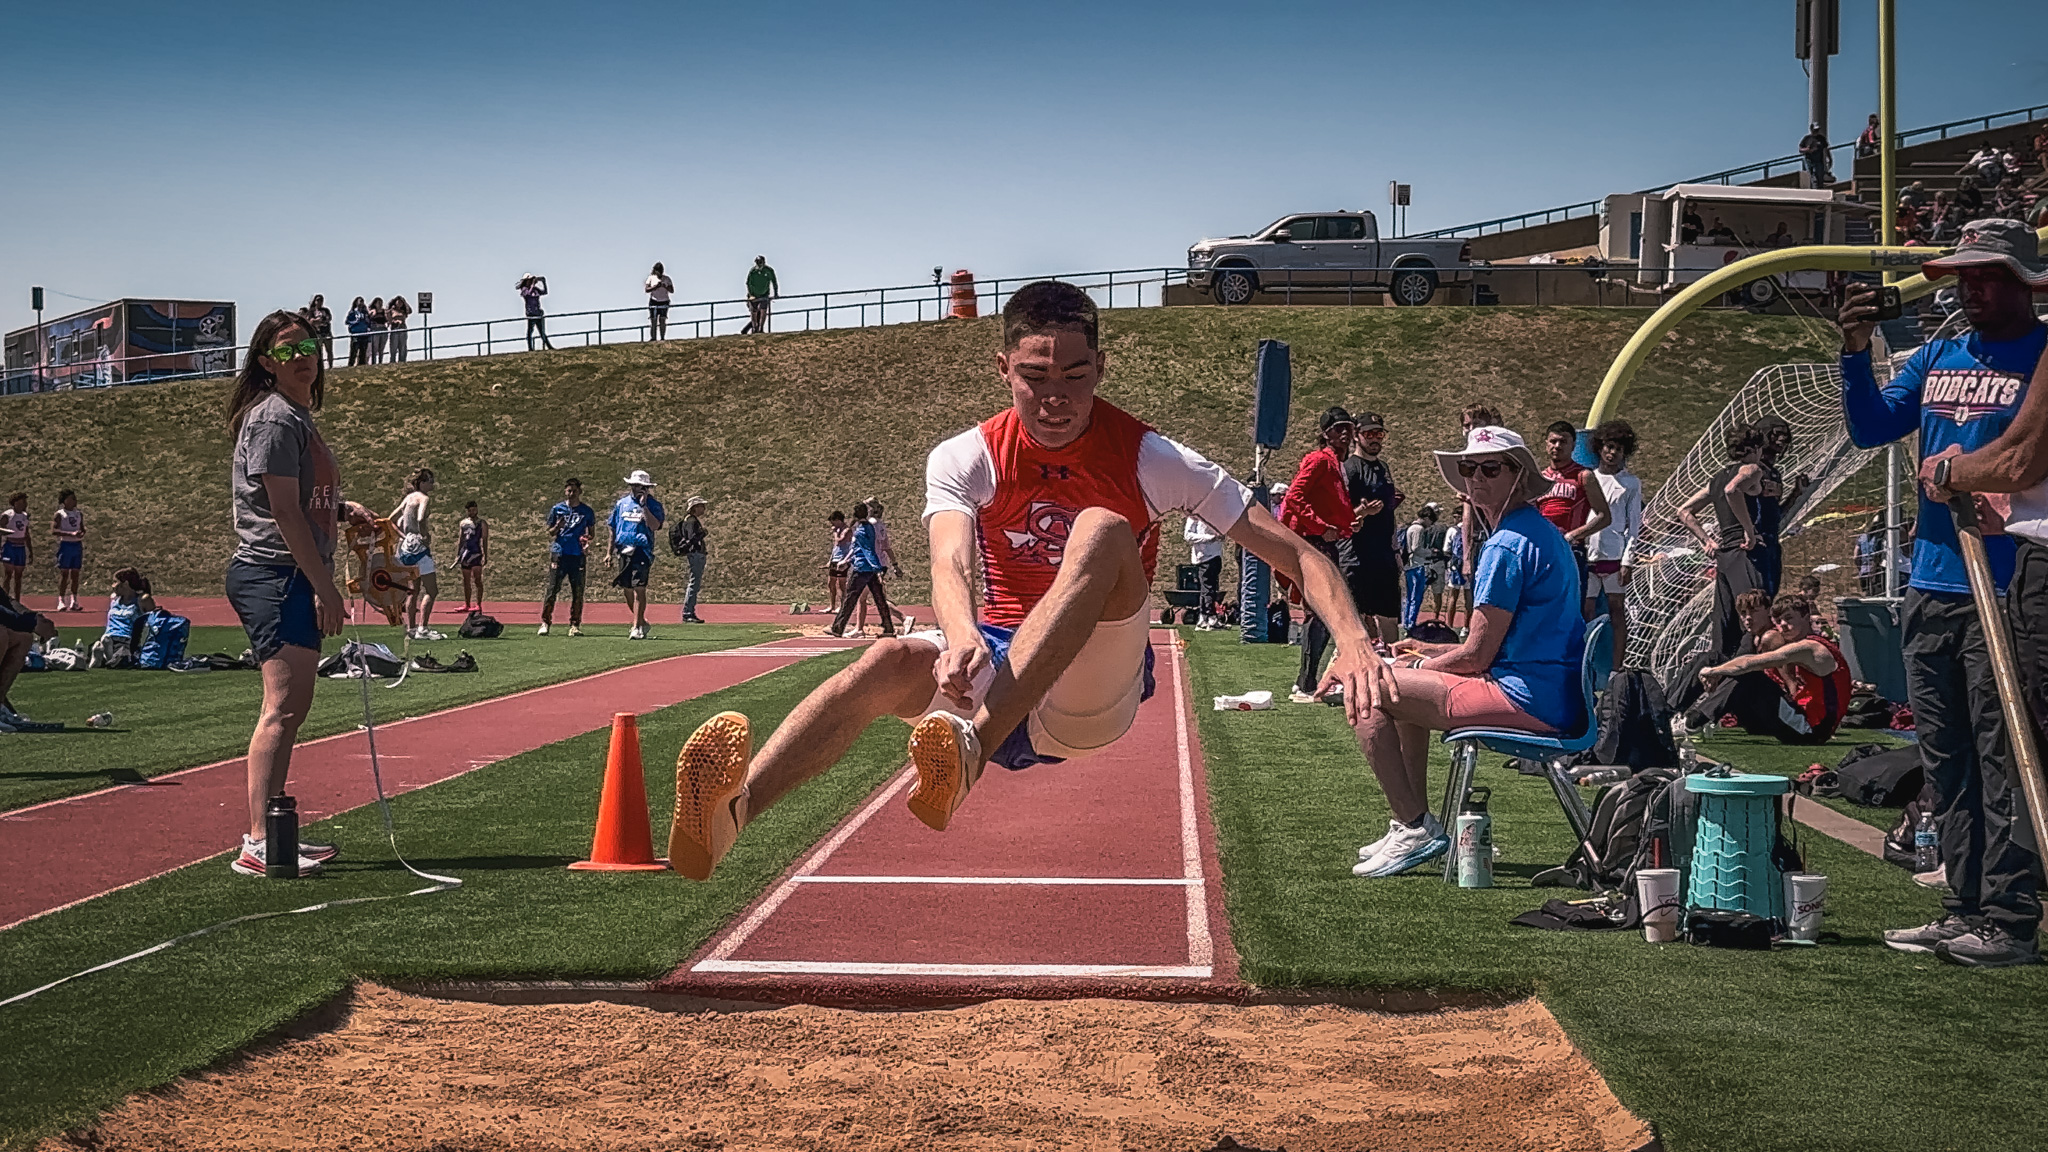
[
  {"x": 1575, "y": 502},
  {"x": 1057, "y": 501},
  {"x": 1795, "y": 690}
]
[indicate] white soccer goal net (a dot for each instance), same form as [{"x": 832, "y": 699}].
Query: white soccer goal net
[{"x": 1672, "y": 592}]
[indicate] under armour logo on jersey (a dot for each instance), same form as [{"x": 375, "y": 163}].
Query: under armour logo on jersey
[
  {"x": 1044, "y": 539},
  {"x": 1053, "y": 472}
]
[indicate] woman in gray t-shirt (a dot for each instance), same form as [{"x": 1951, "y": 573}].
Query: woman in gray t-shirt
[{"x": 286, "y": 493}]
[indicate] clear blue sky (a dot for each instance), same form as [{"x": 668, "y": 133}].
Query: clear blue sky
[{"x": 260, "y": 153}]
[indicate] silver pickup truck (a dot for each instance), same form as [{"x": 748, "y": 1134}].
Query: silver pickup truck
[{"x": 1326, "y": 252}]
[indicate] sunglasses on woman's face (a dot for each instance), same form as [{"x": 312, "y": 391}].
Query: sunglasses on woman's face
[
  {"x": 1489, "y": 469},
  {"x": 285, "y": 352}
]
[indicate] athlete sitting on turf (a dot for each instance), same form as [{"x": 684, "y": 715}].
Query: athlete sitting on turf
[
  {"x": 1061, "y": 495},
  {"x": 1795, "y": 687}
]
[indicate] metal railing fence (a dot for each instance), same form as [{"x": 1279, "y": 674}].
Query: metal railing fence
[
  {"x": 1592, "y": 283},
  {"x": 1762, "y": 170}
]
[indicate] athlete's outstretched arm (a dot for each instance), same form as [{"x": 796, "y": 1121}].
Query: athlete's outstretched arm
[
  {"x": 952, "y": 539},
  {"x": 1366, "y": 680}
]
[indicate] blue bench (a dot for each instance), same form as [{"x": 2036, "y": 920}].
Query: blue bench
[{"x": 1549, "y": 751}]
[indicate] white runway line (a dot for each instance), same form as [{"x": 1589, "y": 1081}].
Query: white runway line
[
  {"x": 1201, "y": 947},
  {"x": 855, "y": 968},
  {"x": 1051, "y": 881}
]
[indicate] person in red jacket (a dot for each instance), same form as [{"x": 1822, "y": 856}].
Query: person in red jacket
[{"x": 1318, "y": 508}]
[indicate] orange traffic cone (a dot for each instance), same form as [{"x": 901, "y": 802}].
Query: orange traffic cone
[{"x": 625, "y": 840}]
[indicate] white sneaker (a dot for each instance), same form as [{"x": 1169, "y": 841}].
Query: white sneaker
[
  {"x": 541, "y": 631},
  {"x": 1297, "y": 696},
  {"x": 1407, "y": 848},
  {"x": 1373, "y": 849},
  {"x": 1936, "y": 877},
  {"x": 633, "y": 633},
  {"x": 252, "y": 861}
]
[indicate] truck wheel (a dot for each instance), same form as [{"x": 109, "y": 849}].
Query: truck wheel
[
  {"x": 1760, "y": 294},
  {"x": 1235, "y": 286},
  {"x": 1412, "y": 286}
]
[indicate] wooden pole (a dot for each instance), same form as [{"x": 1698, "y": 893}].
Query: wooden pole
[{"x": 2019, "y": 726}]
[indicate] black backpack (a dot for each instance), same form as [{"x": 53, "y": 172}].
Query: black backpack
[
  {"x": 480, "y": 627},
  {"x": 1620, "y": 813},
  {"x": 1635, "y": 723},
  {"x": 1879, "y": 777}
]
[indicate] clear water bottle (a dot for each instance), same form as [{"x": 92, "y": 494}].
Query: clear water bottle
[
  {"x": 1688, "y": 755},
  {"x": 1926, "y": 848}
]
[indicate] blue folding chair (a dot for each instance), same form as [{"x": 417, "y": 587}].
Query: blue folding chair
[{"x": 1549, "y": 751}]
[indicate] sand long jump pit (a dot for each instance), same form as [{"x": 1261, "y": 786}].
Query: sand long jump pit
[{"x": 406, "y": 1072}]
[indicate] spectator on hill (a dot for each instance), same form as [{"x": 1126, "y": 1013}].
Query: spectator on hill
[
  {"x": 658, "y": 288},
  {"x": 839, "y": 565},
  {"x": 1793, "y": 688},
  {"x": 17, "y": 543},
  {"x": 396, "y": 314},
  {"x": 1819, "y": 160},
  {"x": 322, "y": 318},
  {"x": 68, "y": 525},
  {"x": 1424, "y": 558},
  {"x": 129, "y": 604},
  {"x": 1734, "y": 492},
  {"x": 1870, "y": 141},
  {"x": 867, "y": 577},
  {"x": 380, "y": 329},
  {"x": 1517, "y": 668},
  {"x": 412, "y": 518},
  {"x": 1205, "y": 552},
  {"x": 531, "y": 288},
  {"x": 761, "y": 289},
  {"x": 20, "y": 629},
  {"x": 1963, "y": 394},
  {"x": 284, "y": 483},
  {"x": 1318, "y": 509},
  {"x": 1608, "y": 551},
  {"x": 570, "y": 524},
  {"x": 885, "y": 548},
  {"x": 472, "y": 553},
  {"x": 1367, "y": 557},
  {"x": 636, "y": 517},
  {"x": 688, "y": 541},
  {"x": 358, "y": 321},
  {"x": 1690, "y": 226}
]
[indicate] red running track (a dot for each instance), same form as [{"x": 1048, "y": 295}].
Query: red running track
[
  {"x": 214, "y": 610},
  {"x": 51, "y": 853},
  {"x": 1095, "y": 878}
]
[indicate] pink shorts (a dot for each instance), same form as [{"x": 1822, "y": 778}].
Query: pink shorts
[{"x": 1478, "y": 702}]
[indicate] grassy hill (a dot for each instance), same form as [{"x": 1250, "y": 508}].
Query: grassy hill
[{"x": 776, "y": 430}]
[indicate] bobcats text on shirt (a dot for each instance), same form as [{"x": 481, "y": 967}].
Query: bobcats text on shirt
[{"x": 1025, "y": 497}]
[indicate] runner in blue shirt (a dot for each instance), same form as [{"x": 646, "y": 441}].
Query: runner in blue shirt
[
  {"x": 570, "y": 524},
  {"x": 1960, "y": 393},
  {"x": 636, "y": 517}
]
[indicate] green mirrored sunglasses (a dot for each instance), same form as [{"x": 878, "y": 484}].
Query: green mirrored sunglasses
[{"x": 285, "y": 352}]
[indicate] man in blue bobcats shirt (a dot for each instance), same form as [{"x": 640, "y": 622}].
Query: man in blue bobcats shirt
[
  {"x": 1961, "y": 393},
  {"x": 570, "y": 524},
  {"x": 635, "y": 519}
]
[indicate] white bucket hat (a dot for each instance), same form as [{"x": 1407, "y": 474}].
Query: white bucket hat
[
  {"x": 1493, "y": 440},
  {"x": 641, "y": 478}
]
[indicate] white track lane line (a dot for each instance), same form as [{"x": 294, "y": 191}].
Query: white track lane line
[
  {"x": 855, "y": 968},
  {"x": 1201, "y": 948},
  {"x": 1048, "y": 881}
]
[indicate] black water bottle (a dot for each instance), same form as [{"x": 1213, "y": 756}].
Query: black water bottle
[{"x": 281, "y": 839}]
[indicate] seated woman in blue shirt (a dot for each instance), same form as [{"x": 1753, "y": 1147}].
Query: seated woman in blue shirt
[
  {"x": 128, "y": 607},
  {"x": 1518, "y": 667}
]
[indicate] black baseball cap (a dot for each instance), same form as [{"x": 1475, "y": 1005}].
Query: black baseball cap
[
  {"x": 1370, "y": 421},
  {"x": 1335, "y": 415}
]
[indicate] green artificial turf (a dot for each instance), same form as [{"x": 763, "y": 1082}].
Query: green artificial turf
[
  {"x": 1845, "y": 1046},
  {"x": 507, "y": 831},
  {"x": 164, "y": 721}
]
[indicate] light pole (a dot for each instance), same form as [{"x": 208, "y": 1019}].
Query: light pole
[{"x": 35, "y": 298}]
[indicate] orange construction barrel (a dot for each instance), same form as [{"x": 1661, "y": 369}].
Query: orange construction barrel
[{"x": 964, "y": 305}]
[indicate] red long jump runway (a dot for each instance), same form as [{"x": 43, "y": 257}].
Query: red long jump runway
[
  {"x": 1095, "y": 878},
  {"x": 214, "y": 610},
  {"x": 49, "y": 852}
]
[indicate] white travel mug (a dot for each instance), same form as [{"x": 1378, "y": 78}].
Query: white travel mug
[
  {"x": 1806, "y": 899},
  {"x": 1657, "y": 894}
]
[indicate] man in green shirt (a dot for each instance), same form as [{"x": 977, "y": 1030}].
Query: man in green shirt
[{"x": 761, "y": 287}]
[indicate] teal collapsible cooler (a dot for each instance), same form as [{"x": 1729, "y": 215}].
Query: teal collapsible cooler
[{"x": 1731, "y": 860}]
